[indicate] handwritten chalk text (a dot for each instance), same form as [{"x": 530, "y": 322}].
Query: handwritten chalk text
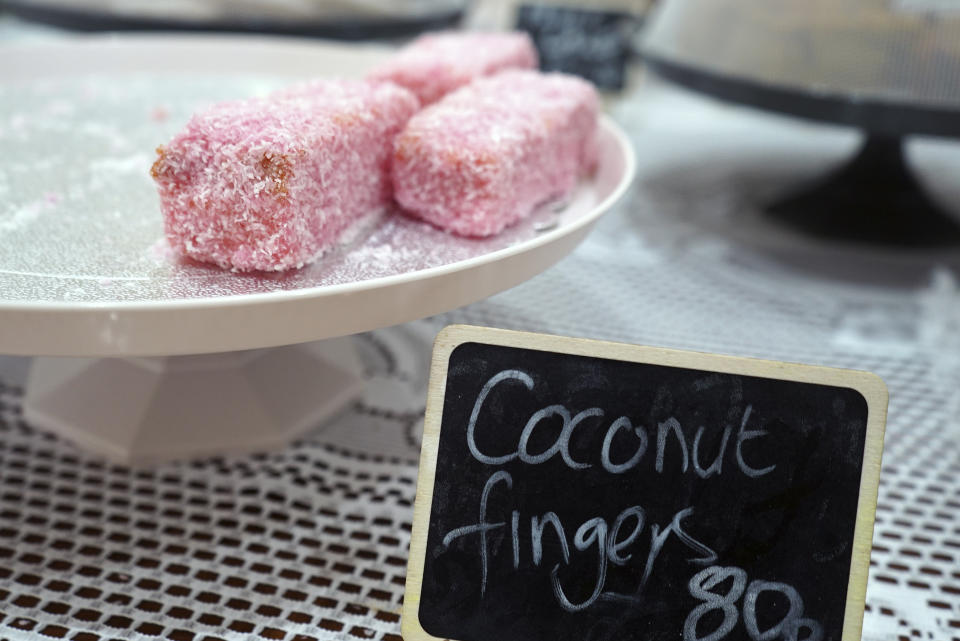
[{"x": 628, "y": 437}]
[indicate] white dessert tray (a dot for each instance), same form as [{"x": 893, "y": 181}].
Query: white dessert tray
[{"x": 85, "y": 272}]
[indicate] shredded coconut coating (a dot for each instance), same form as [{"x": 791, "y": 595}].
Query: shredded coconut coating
[
  {"x": 486, "y": 155},
  {"x": 269, "y": 184},
  {"x": 435, "y": 64}
]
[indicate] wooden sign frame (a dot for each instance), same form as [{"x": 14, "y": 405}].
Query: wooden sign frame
[{"x": 870, "y": 386}]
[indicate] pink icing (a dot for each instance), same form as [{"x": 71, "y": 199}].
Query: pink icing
[
  {"x": 484, "y": 156},
  {"x": 269, "y": 184},
  {"x": 437, "y": 63}
]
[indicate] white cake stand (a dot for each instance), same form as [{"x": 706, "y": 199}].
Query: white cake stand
[{"x": 149, "y": 358}]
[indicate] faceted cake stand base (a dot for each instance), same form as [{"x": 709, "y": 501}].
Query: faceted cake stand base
[{"x": 148, "y": 410}]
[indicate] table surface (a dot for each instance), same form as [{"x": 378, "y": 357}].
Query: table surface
[{"x": 310, "y": 542}]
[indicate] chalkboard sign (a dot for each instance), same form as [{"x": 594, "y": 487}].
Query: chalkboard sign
[
  {"x": 584, "y": 490},
  {"x": 596, "y": 45}
]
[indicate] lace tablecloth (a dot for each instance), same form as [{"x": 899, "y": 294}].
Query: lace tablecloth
[{"x": 311, "y": 542}]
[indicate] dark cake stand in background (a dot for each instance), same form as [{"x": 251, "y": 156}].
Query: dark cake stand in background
[{"x": 889, "y": 69}]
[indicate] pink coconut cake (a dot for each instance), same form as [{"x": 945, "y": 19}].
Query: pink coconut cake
[
  {"x": 270, "y": 184},
  {"x": 486, "y": 155},
  {"x": 437, "y": 63}
]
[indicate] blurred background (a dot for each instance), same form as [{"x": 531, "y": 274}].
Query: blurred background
[{"x": 797, "y": 198}]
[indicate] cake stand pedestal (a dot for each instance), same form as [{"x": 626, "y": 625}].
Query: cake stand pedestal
[
  {"x": 874, "y": 198},
  {"x": 144, "y": 410}
]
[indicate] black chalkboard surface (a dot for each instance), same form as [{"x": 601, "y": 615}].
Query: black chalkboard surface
[
  {"x": 583, "y": 490},
  {"x": 596, "y": 45}
]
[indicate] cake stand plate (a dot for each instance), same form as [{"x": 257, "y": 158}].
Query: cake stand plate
[{"x": 85, "y": 272}]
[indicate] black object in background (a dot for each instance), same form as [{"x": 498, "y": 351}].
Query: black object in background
[
  {"x": 596, "y": 45},
  {"x": 792, "y": 524},
  {"x": 887, "y": 68}
]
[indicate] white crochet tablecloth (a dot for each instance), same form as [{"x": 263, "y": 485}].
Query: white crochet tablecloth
[{"x": 311, "y": 542}]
